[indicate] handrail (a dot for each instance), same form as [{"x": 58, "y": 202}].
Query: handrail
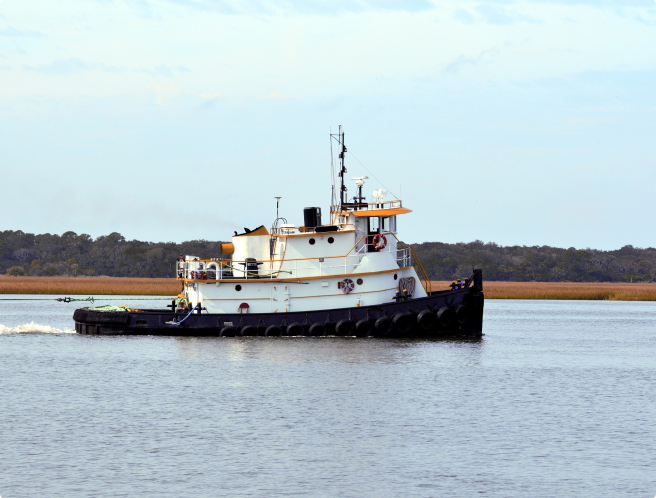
[
  {"x": 396, "y": 201},
  {"x": 428, "y": 286}
]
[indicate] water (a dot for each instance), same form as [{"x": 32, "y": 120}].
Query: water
[{"x": 556, "y": 400}]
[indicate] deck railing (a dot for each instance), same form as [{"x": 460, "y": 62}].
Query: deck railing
[{"x": 220, "y": 269}]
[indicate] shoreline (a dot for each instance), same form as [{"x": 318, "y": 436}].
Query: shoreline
[{"x": 116, "y": 286}]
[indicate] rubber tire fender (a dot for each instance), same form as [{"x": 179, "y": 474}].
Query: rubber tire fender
[
  {"x": 295, "y": 329},
  {"x": 403, "y": 322},
  {"x": 383, "y": 325},
  {"x": 273, "y": 331},
  {"x": 248, "y": 330},
  {"x": 446, "y": 317},
  {"x": 318, "y": 329},
  {"x": 228, "y": 331},
  {"x": 363, "y": 328},
  {"x": 462, "y": 314},
  {"x": 344, "y": 327},
  {"x": 426, "y": 319}
]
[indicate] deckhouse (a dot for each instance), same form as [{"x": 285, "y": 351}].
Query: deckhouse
[{"x": 356, "y": 259}]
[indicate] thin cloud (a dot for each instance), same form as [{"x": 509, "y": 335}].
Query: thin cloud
[
  {"x": 463, "y": 61},
  {"x": 464, "y": 16},
  {"x": 325, "y": 7},
  {"x": 492, "y": 15},
  {"x": 277, "y": 94},
  {"x": 10, "y": 31},
  {"x": 67, "y": 67},
  {"x": 62, "y": 67}
]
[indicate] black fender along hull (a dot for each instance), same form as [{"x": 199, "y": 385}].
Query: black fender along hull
[{"x": 455, "y": 313}]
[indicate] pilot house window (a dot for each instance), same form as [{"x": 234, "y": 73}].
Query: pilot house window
[
  {"x": 386, "y": 224},
  {"x": 373, "y": 225}
]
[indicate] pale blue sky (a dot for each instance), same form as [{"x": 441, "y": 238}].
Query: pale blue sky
[{"x": 518, "y": 122}]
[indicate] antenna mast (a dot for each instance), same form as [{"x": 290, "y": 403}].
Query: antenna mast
[{"x": 342, "y": 170}]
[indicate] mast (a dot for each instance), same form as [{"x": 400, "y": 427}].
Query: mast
[
  {"x": 339, "y": 136},
  {"x": 342, "y": 170}
]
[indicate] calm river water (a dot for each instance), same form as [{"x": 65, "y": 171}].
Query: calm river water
[{"x": 557, "y": 400}]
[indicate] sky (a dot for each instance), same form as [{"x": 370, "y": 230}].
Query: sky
[{"x": 526, "y": 122}]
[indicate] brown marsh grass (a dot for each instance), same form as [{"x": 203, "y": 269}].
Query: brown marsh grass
[
  {"x": 90, "y": 286},
  {"x": 168, "y": 287},
  {"x": 565, "y": 290}
]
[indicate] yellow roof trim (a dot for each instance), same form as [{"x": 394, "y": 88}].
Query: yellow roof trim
[{"x": 382, "y": 212}]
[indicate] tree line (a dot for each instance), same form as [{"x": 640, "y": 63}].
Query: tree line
[
  {"x": 112, "y": 255},
  {"x": 537, "y": 263}
]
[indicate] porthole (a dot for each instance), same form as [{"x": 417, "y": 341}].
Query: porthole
[
  {"x": 359, "y": 281},
  {"x": 237, "y": 287},
  {"x": 312, "y": 241},
  {"x": 396, "y": 276},
  {"x": 330, "y": 240}
]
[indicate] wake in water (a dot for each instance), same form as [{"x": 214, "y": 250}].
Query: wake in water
[{"x": 33, "y": 328}]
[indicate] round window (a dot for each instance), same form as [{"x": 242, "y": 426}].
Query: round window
[
  {"x": 359, "y": 281},
  {"x": 396, "y": 276},
  {"x": 237, "y": 287},
  {"x": 312, "y": 241},
  {"x": 330, "y": 240}
]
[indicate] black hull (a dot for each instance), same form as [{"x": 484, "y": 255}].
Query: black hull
[{"x": 416, "y": 318}]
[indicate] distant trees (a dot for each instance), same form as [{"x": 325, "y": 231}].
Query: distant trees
[
  {"x": 112, "y": 255},
  {"x": 537, "y": 263}
]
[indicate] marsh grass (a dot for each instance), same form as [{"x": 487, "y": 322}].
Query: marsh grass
[
  {"x": 90, "y": 286},
  {"x": 606, "y": 291},
  {"x": 169, "y": 287}
]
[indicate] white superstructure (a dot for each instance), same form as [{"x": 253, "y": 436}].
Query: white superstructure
[{"x": 354, "y": 261}]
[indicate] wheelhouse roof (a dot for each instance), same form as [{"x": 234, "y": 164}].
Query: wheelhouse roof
[{"x": 382, "y": 212}]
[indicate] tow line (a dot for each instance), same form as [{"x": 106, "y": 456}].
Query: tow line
[{"x": 89, "y": 299}]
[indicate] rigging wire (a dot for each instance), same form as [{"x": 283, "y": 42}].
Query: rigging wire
[
  {"x": 374, "y": 176},
  {"x": 361, "y": 163}
]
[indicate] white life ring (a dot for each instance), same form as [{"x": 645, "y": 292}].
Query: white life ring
[
  {"x": 347, "y": 285},
  {"x": 380, "y": 241}
]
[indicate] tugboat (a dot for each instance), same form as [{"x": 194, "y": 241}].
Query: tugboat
[{"x": 350, "y": 277}]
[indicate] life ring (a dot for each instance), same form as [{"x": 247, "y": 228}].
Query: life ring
[
  {"x": 347, "y": 285},
  {"x": 379, "y": 242}
]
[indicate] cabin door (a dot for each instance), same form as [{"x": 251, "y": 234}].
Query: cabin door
[
  {"x": 280, "y": 298},
  {"x": 361, "y": 230}
]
